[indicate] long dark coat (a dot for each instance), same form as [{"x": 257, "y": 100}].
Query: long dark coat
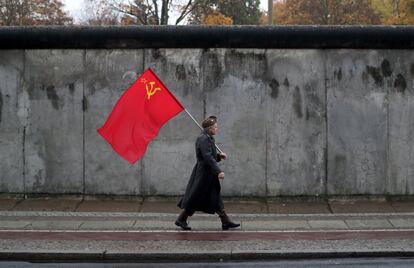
[{"x": 203, "y": 189}]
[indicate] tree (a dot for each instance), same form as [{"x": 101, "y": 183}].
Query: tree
[
  {"x": 155, "y": 12},
  {"x": 216, "y": 18},
  {"x": 98, "y": 12},
  {"x": 403, "y": 12},
  {"x": 395, "y": 11},
  {"x": 324, "y": 12},
  {"x": 241, "y": 12},
  {"x": 33, "y": 12}
]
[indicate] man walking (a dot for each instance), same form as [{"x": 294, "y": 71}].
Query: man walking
[{"x": 203, "y": 189}]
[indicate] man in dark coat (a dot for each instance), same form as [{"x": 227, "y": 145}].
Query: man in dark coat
[{"x": 203, "y": 189}]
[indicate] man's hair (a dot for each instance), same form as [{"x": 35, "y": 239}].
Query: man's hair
[{"x": 209, "y": 121}]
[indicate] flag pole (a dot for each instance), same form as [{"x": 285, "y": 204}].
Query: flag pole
[{"x": 195, "y": 121}]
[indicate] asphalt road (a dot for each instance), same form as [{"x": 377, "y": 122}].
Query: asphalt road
[{"x": 324, "y": 263}]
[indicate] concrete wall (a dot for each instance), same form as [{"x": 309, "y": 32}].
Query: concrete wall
[{"x": 293, "y": 121}]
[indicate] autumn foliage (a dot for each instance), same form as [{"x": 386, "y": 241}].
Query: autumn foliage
[
  {"x": 216, "y": 18},
  {"x": 397, "y": 12},
  {"x": 324, "y": 12},
  {"x": 222, "y": 12},
  {"x": 342, "y": 12},
  {"x": 209, "y": 12},
  {"x": 32, "y": 12}
]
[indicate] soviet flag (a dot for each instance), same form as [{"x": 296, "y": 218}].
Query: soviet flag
[{"x": 138, "y": 116}]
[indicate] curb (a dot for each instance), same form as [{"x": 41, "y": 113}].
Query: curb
[
  {"x": 216, "y": 256},
  {"x": 202, "y": 216}
]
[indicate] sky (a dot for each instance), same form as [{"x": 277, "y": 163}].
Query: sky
[{"x": 74, "y": 6}]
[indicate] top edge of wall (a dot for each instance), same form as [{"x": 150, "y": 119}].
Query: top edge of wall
[{"x": 135, "y": 37}]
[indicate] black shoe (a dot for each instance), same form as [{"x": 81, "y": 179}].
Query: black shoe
[
  {"x": 229, "y": 225},
  {"x": 183, "y": 225}
]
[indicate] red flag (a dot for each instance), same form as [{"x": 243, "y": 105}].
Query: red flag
[{"x": 139, "y": 115}]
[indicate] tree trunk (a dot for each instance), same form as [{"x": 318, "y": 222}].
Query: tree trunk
[
  {"x": 164, "y": 12},
  {"x": 395, "y": 8},
  {"x": 325, "y": 12}
]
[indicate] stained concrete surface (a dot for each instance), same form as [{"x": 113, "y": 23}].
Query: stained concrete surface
[{"x": 301, "y": 122}]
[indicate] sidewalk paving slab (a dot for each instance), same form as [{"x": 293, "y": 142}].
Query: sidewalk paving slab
[
  {"x": 108, "y": 224},
  {"x": 361, "y": 206},
  {"x": 402, "y": 223},
  {"x": 369, "y": 224},
  {"x": 276, "y": 225},
  {"x": 160, "y": 206},
  {"x": 298, "y": 207},
  {"x": 9, "y": 203},
  {"x": 109, "y": 205},
  {"x": 14, "y": 224},
  {"x": 403, "y": 205},
  {"x": 206, "y": 225},
  {"x": 153, "y": 224},
  {"x": 54, "y": 225},
  {"x": 242, "y": 207},
  {"x": 328, "y": 224},
  {"x": 53, "y": 204}
]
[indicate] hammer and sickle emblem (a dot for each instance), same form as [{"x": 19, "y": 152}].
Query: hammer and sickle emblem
[{"x": 151, "y": 90}]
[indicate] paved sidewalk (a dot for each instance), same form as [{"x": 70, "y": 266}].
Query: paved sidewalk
[
  {"x": 142, "y": 230},
  {"x": 168, "y": 205},
  {"x": 40, "y": 220}
]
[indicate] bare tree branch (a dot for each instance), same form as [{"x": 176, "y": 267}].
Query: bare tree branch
[
  {"x": 187, "y": 10},
  {"x": 156, "y": 13},
  {"x": 121, "y": 10}
]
